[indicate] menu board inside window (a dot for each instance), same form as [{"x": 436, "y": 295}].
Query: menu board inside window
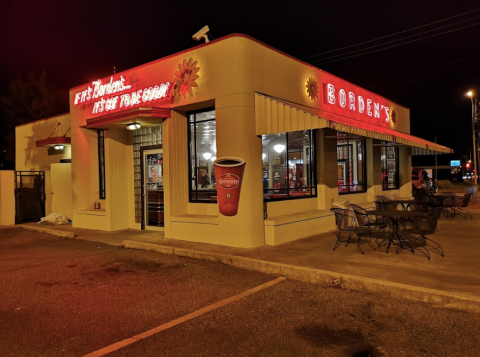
[{"x": 389, "y": 159}]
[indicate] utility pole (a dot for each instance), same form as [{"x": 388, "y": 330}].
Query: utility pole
[
  {"x": 473, "y": 136},
  {"x": 476, "y": 123}
]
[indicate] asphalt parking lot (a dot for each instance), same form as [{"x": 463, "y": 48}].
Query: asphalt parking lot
[{"x": 71, "y": 297}]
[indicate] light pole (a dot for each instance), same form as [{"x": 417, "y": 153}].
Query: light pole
[{"x": 469, "y": 94}]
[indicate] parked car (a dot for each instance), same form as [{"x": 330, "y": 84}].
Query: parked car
[
  {"x": 417, "y": 180},
  {"x": 420, "y": 179}
]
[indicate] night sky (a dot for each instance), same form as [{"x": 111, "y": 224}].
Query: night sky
[{"x": 77, "y": 42}]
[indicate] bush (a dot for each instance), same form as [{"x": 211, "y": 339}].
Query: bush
[{"x": 444, "y": 184}]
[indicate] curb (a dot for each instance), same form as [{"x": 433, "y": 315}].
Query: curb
[
  {"x": 315, "y": 276},
  {"x": 9, "y": 228},
  {"x": 53, "y": 232}
]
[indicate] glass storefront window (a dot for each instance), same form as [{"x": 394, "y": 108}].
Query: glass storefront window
[
  {"x": 350, "y": 164},
  {"x": 288, "y": 165},
  {"x": 202, "y": 153},
  {"x": 389, "y": 160}
]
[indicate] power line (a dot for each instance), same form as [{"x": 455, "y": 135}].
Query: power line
[
  {"x": 397, "y": 33},
  {"x": 425, "y": 70},
  {"x": 400, "y": 39},
  {"x": 400, "y": 44}
]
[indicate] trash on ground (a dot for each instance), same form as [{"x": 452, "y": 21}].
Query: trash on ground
[{"x": 54, "y": 218}]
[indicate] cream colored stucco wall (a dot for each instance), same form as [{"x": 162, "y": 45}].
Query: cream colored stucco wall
[
  {"x": 29, "y": 157},
  {"x": 61, "y": 192},
  {"x": 201, "y": 221},
  {"x": 119, "y": 165},
  {"x": 7, "y": 198}
]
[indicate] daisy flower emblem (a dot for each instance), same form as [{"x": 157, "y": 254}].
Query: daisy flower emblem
[
  {"x": 186, "y": 76},
  {"x": 312, "y": 88},
  {"x": 393, "y": 116}
]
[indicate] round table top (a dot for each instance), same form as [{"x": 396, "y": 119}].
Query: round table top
[{"x": 395, "y": 213}]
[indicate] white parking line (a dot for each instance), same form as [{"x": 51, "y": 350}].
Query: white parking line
[{"x": 118, "y": 345}]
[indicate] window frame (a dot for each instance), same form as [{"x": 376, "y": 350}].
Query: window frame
[
  {"x": 101, "y": 165},
  {"x": 349, "y": 144},
  {"x": 189, "y": 138},
  {"x": 313, "y": 165}
]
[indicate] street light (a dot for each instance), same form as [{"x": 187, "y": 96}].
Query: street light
[{"x": 470, "y": 94}]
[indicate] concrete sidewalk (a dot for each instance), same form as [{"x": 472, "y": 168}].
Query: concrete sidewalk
[{"x": 450, "y": 281}]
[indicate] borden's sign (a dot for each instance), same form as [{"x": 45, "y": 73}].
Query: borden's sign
[
  {"x": 356, "y": 103},
  {"x": 229, "y": 181},
  {"x": 120, "y": 93},
  {"x": 342, "y": 98}
]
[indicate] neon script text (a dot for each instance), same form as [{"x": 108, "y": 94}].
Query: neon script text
[{"x": 102, "y": 95}]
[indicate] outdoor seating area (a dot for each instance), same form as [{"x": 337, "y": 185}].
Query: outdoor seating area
[{"x": 405, "y": 223}]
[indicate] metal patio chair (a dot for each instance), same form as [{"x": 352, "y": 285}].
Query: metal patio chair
[
  {"x": 386, "y": 203},
  {"x": 457, "y": 204},
  {"x": 381, "y": 204},
  {"x": 365, "y": 219},
  {"x": 348, "y": 229},
  {"x": 438, "y": 203},
  {"x": 422, "y": 227},
  {"x": 421, "y": 195}
]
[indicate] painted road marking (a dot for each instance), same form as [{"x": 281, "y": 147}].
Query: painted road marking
[{"x": 121, "y": 344}]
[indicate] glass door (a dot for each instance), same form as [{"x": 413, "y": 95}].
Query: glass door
[{"x": 153, "y": 189}]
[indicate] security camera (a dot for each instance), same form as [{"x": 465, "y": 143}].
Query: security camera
[{"x": 201, "y": 34}]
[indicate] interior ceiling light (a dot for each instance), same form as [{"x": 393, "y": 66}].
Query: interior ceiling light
[
  {"x": 213, "y": 158},
  {"x": 58, "y": 147},
  {"x": 133, "y": 126},
  {"x": 279, "y": 148},
  {"x": 207, "y": 155},
  {"x": 263, "y": 156}
]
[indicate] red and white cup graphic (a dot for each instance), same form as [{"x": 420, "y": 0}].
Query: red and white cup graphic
[{"x": 229, "y": 177}]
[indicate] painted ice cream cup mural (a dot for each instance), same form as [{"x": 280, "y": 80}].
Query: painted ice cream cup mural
[{"x": 229, "y": 175}]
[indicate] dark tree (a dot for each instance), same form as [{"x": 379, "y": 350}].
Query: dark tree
[
  {"x": 29, "y": 99},
  {"x": 33, "y": 98}
]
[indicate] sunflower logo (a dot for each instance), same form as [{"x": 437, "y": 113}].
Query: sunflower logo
[
  {"x": 393, "y": 116},
  {"x": 185, "y": 77},
  {"x": 312, "y": 88}
]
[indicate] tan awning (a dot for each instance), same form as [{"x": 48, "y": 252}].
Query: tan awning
[{"x": 273, "y": 115}]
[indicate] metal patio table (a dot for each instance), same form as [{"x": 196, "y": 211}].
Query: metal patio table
[
  {"x": 394, "y": 217},
  {"x": 407, "y": 203}
]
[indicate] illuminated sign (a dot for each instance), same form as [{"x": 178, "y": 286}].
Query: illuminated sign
[
  {"x": 455, "y": 163},
  {"x": 119, "y": 93},
  {"x": 354, "y": 102}
]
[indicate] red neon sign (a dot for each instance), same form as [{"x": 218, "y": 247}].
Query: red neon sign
[
  {"x": 348, "y": 100},
  {"x": 355, "y": 102},
  {"x": 118, "y": 94}
]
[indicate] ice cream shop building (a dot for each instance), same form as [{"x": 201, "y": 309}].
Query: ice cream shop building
[{"x": 231, "y": 142}]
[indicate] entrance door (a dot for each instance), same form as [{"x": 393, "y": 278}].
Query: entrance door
[
  {"x": 61, "y": 176},
  {"x": 153, "y": 203}
]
